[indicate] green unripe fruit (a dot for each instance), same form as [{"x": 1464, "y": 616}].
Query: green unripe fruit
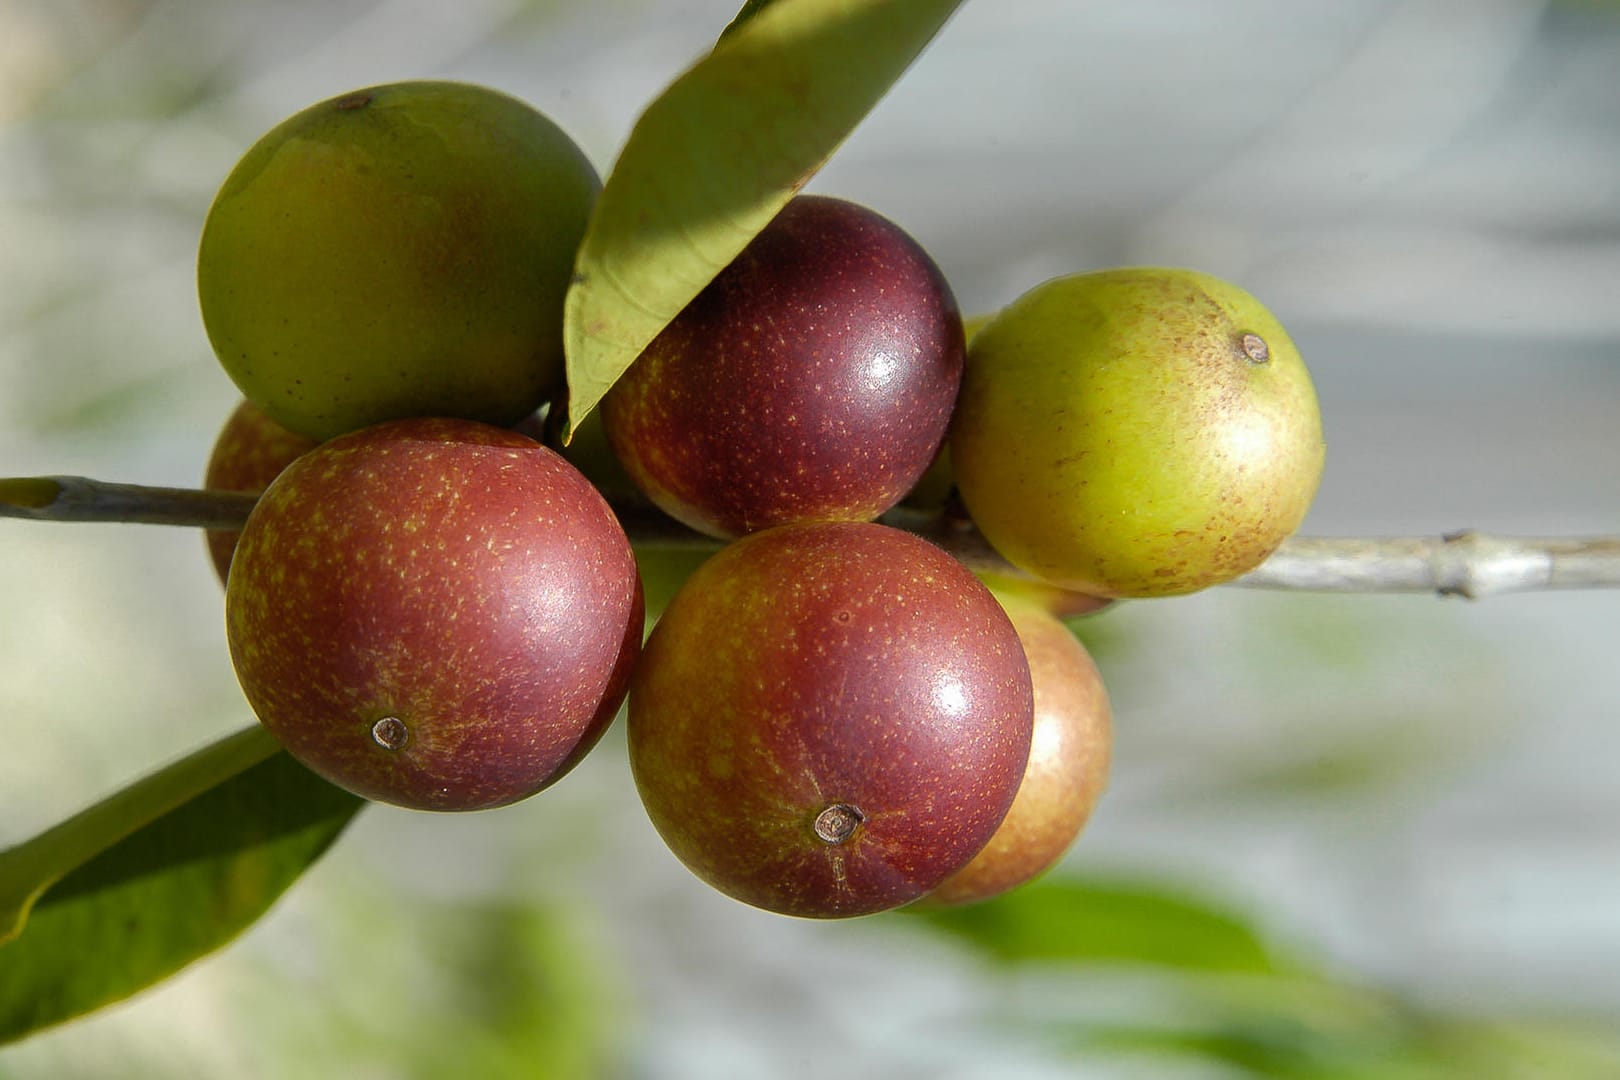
[
  {"x": 397, "y": 251},
  {"x": 1136, "y": 432}
]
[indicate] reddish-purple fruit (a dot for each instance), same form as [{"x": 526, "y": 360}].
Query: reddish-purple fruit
[
  {"x": 249, "y": 452},
  {"x": 812, "y": 380},
  {"x": 829, "y": 719},
  {"x": 1068, "y": 763},
  {"x": 434, "y": 613}
]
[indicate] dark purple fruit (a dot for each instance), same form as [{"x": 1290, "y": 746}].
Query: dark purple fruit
[{"x": 812, "y": 380}]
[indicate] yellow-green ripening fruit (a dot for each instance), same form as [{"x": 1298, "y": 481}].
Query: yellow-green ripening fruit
[
  {"x": 397, "y": 251},
  {"x": 1136, "y": 432}
]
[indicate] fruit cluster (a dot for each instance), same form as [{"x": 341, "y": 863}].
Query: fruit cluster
[{"x": 432, "y": 607}]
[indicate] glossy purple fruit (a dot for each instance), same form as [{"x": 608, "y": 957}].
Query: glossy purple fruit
[{"x": 812, "y": 380}]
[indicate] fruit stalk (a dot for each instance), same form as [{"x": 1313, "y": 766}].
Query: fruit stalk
[{"x": 1467, "y": 563}]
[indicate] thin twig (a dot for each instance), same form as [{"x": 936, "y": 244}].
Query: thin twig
[
  {"x": 78, "y": 498},
  {"x": 1469, "y": 564}
]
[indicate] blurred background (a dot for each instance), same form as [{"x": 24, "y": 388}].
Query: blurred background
[{"x": 1395, "y": 818}]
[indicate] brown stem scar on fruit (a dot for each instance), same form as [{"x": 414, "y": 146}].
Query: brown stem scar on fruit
[
  {"x": 391, "y": 733},
  {"x": 1255, "y": 348},
  {"x": 353, "y": 101},
  {"x": 837, "y": 823}
]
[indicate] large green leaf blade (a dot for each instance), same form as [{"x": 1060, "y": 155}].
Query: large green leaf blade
[
  {"x": 749, "y": 9},
  {"x": 716, "y": 155},
  {"x": 243, "y": 826},
  {"x": 28, "y": 869},
  {"x": 1073, "y": 920}
]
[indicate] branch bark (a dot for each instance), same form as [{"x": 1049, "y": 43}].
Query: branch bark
[
  {"x": 1469, "y": 564},
  {"x": 78, "y": 498}
]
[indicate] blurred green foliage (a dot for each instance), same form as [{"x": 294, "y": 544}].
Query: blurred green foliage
[
  {"x": 1217, "y": 992},
  {"x": 1088, "y": 921}
]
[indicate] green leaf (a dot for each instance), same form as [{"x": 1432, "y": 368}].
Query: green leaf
[
  {"x": 134, "y": 888},
  {"x": 716, "y": 155},
  {"x": 664, "y": 569},
  {"x": 28, "y": 869},
  {"x": 1079, "y": 921},
  {"x": 749, "y": 9}
]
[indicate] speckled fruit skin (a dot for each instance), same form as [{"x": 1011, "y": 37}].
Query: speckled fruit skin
[
  {"x": 250, "y": 451},
  {"x": 825, "y": 665},
  {"x": 397, "y": 251},
  {"x": 1070, "y": 750},
  {"x": 458, "y": 578},
  {"x": 812, "y": 380},
  {"x": 1136, "y": 432}
]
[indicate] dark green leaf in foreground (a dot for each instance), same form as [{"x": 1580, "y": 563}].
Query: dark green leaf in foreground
[
  {"x": 716, "y": 155},
  {"x": 1081, "y": 921},
  {"x": 218, "y": 837},
  {"x": 28, "y": 869}
]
